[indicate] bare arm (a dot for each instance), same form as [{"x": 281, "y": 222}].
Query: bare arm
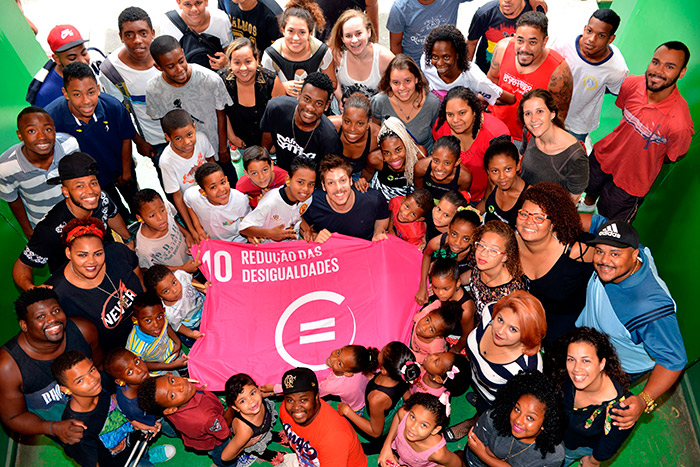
[
  {"x": 196, "y": 225},
  {"x": 276, "y": 233},
  {"x": 372, "y": 10},
  {"x": 465, "y": 179},
  {"x": 495, "y": 67},
  {"x": 422, "y": 294},
  {"x": 395, "y": 39},
  {"x": 278, "y": 88},
  {"x": 117, "y": 224},
  {"x": 18, "y": 210},
  {"x": 126, "y": 163},
  {"x": 267, "y": 140},
  {"x": 143, "y": 147},
  {"x": 471, "y": 49},
  {"x": 378, "y": 403},
  {"x": 89, "y": 332},
  {"x": 419, "y": 171},
  {"x": 224, "y": 155},
  {"x": 185, "y": 214},
  {"x": 561, "y": 85},
  {"x": 444, "y": 456},
  {"x": 386, "y": 453},
  {"x": 241, "y": 436},
  {"x": 23, "y": 275}
]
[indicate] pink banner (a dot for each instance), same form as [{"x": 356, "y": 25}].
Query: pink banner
[{"x": 275, "y": 306}]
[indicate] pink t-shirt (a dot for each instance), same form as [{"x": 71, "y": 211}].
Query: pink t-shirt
[
  {"x": 408, "y": 455},
  {"x": 423, "y": 349},
  {"x": 350, "y": 389},
  {"x": 648, "y": 133},
  {"x": 420, "y": 386}
]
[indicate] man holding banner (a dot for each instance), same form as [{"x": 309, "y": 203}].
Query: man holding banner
[{"x": 341, "y": 208}]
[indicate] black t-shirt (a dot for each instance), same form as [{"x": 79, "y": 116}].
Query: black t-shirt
[
  {"x": 332, "y": 9},
  {"x": 45, "y": 245},
  {"x": 290, "y": 141},
  {"x": 102, "y": 307},
  {"x": 357, "y": 222},
  {"x": 490, "y": 26},
  {"x": 260, "y": 24}
]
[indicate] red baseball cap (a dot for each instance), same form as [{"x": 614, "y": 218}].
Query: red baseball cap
[{"x": 64, "y": 37}]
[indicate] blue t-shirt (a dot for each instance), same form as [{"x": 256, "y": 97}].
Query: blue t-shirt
[
  {"x": 416, "y": 20},
  {"x": 50, "y": 90},
  {"x": 101, "y": 137}
]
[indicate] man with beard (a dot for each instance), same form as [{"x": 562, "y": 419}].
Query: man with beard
[
  {"x": 77, "y": 173},
  {"x": 523, "y": 63},
  {"x": 627, "y": 300},
  {"x": 656, "y": 128},
  {"x": 30, "y": 400},
  {"x": 342, "y": 208}
]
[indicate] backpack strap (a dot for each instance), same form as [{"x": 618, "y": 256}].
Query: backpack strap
[
  {"x": 179, "y": 23},
  {"x": 112, "y": 74},
  {"x": 38, "y": 81}
]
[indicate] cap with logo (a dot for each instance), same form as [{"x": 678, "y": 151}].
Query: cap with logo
[
  {"x": 64, "y": 37},
  {"x": 75, "y": 165},
  {"x": 616, "y": 233},
  {"x": 299, "y": 380}
]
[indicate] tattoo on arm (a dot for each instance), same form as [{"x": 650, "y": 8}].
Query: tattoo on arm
[
  {"x": 561, "y": 85},
  {"x": 495, "y": 67}
]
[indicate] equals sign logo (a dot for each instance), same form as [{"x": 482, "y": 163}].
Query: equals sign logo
[{"x": 317, "y": 326}]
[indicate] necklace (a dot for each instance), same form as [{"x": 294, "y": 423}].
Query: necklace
[
  {"x": 294, "y": 135},
  {"x": 509, "y": 456},
  {"x": 407, "y": 117},
  {"x": 121, "y": 299}
]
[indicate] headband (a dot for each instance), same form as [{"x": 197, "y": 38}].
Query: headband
[
  {"x": 469, "y": 208},
  {"x": 445, "y": 400},
  {"x": 83, "y": 230}
]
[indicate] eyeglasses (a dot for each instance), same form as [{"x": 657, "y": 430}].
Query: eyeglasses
[
  {"x": 537, "y": 218},
  {"x": 490, "y": 252}
]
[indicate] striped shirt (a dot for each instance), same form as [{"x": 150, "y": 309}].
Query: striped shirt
[
  {"x": 152, "y": 348},
  {"x": 21, "y": 178}
]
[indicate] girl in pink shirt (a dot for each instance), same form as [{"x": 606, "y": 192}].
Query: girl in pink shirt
[
  {"x": 352, "y": 365},
  {"x": 443, "y": 372},
  {"x": 430, "y": 327}
]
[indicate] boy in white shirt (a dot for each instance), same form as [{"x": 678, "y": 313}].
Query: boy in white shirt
[
  {"x": 278, "y": 214},
  {"x": 216, "y": 210}
]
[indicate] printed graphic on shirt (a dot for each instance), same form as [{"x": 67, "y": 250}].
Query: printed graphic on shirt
[
  {"x": 306, "y": 454},
  {"x": 111, "y": 317},
  {"x": 650, "y": 136},
  {"x": 290, "y": 144}
]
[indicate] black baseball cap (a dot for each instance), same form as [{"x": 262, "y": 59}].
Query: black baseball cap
[
  {"x": 616, "y": 233},
  {"x": 299, "y": 380},
  {"x": 75, "y": 165}
]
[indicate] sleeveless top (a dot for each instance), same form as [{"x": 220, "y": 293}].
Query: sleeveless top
[
  {"x": 469, "y": 262},
  {"x": 349, "y": 85},
  {"x": 438, "y": 189},
  {"x": 246, "y": 120},
  {"x": 509, "y": 79},
  {"x": 359, "y": 163},
  {"x": 265, "y": 429},
  {"x": 457, "y": 331},
  {"x": 289, "y": 67},
  {"x": 494, "y": 211},
  {"x": 562, "y": 292},
  {"x": 395, "y": 394},
  {"x": 409, "y": 456},
  {"x": 483, "y": 295},
  {"x": 41, "y": 392},
  {"x": 390, "y": 183}
]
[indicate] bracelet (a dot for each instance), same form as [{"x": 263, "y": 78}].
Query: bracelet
[
  {"x": 130, "y": 239},
  {"x": 50, "y": 432},
  {"x": 651, "y": 404}
]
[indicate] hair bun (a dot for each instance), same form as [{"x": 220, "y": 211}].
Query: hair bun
[{"x": 410, "y": 371}]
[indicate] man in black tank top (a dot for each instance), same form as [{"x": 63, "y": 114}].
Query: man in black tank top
[{"x": 30, "y": 400}]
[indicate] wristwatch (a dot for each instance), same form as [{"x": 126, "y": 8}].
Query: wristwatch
[{"x": 651, "y": 404}]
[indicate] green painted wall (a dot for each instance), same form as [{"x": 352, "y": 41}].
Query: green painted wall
[{"x": 668, "y": 221}]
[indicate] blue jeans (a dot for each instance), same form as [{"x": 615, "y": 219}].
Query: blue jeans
[
  {"x": 576, "y": 454},
  {"x": 580, "y": 136}
]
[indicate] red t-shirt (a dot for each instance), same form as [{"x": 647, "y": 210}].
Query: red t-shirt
[
  {"x": 509, "y": 79},
  {"x": 247, "y": 187},
  {"x": 648, "y": 133},
  {"x": 413, "y": 232},
  {"x": 328, "y": 441},
  {"x": 201, "y": 422},
  {"x": 473, "y": 158}
]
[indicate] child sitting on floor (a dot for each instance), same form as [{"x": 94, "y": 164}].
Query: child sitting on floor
[
  {"x": 182, "y": 297},
  {"x": 196, "y": 414},
  {"x": 216, "y": 210},
  {"x": 278, "y": 215},
  {"x": 253, "y": 418},
  {"x": 408, "y": 216},
  {"x": 151, "y": 338},
  {"x": 187, "y": 150},
  {"x": 160, "y": 239},
  {"x": 430, "y": 327},
  {"x": 443, "y": 372},
  {"x": 261, "y": 174}
]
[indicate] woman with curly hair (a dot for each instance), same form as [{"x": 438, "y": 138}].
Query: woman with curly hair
[
  {"x": 298, "y": 53},
  {"x": 99, "y": 282},
  {"x": 524, "y": 427},
  {"x": 461, "y": 114},
  {"x": 445, "y": 64},
  {"x": 556, "y": 263},
  {"x": 591, "y": 378},
  {"x": 498, "y": 271},
  {"x": 403, "y": 93}
]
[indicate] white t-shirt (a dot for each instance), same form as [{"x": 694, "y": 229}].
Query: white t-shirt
[
  {"x": 135, "y": 81},
  {"x": 178, "y": 172},
  {"x": 187, "y": 311},
  {"x": 220, "y": 222},
  {"x": 169, "y": 250},
  {"x": 274, "y": 209},
  {"x": 219, "y": 26},
  {"x": 473, "y": 79},
  {"x": 590, "y": 82}
]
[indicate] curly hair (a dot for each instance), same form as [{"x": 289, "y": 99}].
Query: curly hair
[
  {"x": 432, "y": 404},
  {"x": 366, "y": 359},
  {"x": 65, "y": 362},
  {"x": 396, "y": 356},
  {"x": 308, "y": 10},
  {"x": 448, "y": 33},
  {"x": 335, "y": 39},
  {"x": 468, "y": 96},
  {"x": 320, "y": 80},
  {"x": 30, "y": 297},
  {"x": 142, "y": 197},
  {"x": 532, "y": 383},
  {"x": 234, "y": 386},
  {"x": 116, "y": 360},
  {"x": 507, "y": 233},
  {"x": 403, "y": 62},
  {"x": 548, "y": 100},
  {"x": 332, "y": 162},
  {"x": 82, "y": 227},
  {"x": 146, "y": 396},
  {"x": 423, "y": 198},
  {"x": 603, "y": 349},
  {"x": 556, "y": 203},
  {"x": 153, "y": 275}
]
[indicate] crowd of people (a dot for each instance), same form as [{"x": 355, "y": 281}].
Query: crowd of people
[{"x": 537, "y": 303}]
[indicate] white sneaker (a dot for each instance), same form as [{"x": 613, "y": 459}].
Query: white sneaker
[{"x": 583, "y": 207}]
